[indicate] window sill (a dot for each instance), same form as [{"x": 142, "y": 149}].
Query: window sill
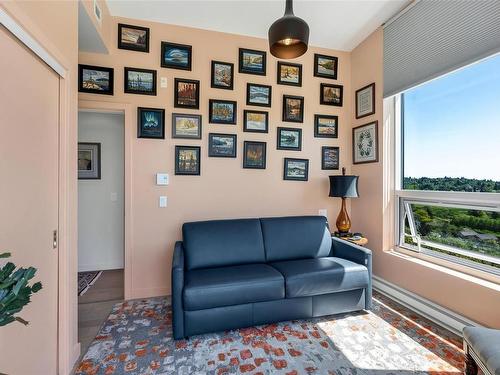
[{"x": 466, "y": 273}]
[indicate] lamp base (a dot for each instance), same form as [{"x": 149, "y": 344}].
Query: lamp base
[{"x": 343, "y": 220}]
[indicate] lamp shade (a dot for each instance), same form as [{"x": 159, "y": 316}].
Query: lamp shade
[
  {"x": 344, "y": 186},
  {"x": 289, "y": 35}
]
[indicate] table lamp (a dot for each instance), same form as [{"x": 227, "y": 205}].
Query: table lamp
[{"x": 343, "y": 186}]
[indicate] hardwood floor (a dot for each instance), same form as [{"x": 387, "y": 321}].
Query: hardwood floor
[{"x": 95, "y": 305}]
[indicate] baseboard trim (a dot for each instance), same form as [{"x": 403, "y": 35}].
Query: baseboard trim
[
  {"x": 436, "y": 313},
  {"x": 148, "y": 292}
]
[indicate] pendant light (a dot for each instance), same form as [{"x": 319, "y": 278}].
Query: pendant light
[{"x": 289, "y": 35}]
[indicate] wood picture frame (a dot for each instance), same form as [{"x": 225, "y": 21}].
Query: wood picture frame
[{"x": 365, "y": 101}]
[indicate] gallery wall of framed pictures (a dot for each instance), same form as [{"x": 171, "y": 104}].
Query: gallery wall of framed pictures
[{"x": 206, "y": 98}]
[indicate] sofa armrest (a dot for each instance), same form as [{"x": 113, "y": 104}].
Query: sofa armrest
[
  {"x": 177, "y": 288},
  {"x": 356, "y": 254}
]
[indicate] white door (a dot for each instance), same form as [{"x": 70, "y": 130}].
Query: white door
[{"x": 29, "y": 123}]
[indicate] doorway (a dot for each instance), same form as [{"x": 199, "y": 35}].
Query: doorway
[{"x": 101, "y": 213}]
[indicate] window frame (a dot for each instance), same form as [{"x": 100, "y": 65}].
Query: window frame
[{"x": 452, "y": 199}]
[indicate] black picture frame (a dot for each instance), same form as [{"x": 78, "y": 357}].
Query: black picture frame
[
  {"x": 211, "y": 114},
  {"x": 287, "y": 116},
  {"x": 127, "y": 83},
  {"x": 213, "y": 151},
  {"x": 180, "y": 48},
  {"x": 182, "y": 170},
  {"x": 372, "y": 98},
  {"x": 321, "y": 71},
  {"x": 95, "y": 153},
  {"x": 287, "y": 175},
  {"x": 248, "y": 129},
  {"x": 133, "y": 46},
  {"x": 248, "y": 161},
  {"x": 279, "y": 79},
  {"x": 259, "y": 103},
  {"x": 213, "y": 82},
  {"x": 322, "y": 134},
  {"x": 244, "y": 67},
  {"x": 185, "y": 101},
  {"x": 142, "y": 121},
  {"x": 280, "y": 145},
  {"x": 198, "y": 126},
  {"x": 323, "y": 99},
  {"x": 85, "y": 85},
  {"x": 327, "y": 165}
]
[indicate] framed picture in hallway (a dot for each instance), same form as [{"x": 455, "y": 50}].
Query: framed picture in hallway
[
  {"x": 259, "y": 95},
  {"x": 365, "y": 101},
  {"x": 365, "y": 143},
  {"x": 222, "y": 111},
  {"x": 89, "y": 161},
  {"x": 186, "y": 126},
  {"x": 186, "y": 93},
  {"x": 187, "y": 160},
  {"x": 296, "y": 169},
  {"x": 95, "y": 79},
  {"x": 293, "y": 108},
  {"x": 176, "y": 56},
  {"x": 329, "y": 158},
  {"x": 150, "y": 123},
  {"x": 255, "y": 121},
  {"x": 252, "y": 62},
  {"x": 326, "y": 126},
  {"x": 222, "y": 145},
  {"x": 325, "y": 66},
  {"x": 331, "y": 94},
  {"x": 289, "y": 139},
  {"x": 254, "y": 155},
  {"x": 133, "y": 38},
  {"x": 222, "y": 75},
  {"x": 139, "y": 81},
  {"x": 289, "y": 74}
]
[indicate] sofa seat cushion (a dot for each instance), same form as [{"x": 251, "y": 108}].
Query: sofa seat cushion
[
  {"x": 233, "y": 285},
  {"x": 311, "y": 277}
]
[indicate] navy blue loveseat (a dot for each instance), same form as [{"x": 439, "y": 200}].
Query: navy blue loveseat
[{"x": 237, "y": 273}]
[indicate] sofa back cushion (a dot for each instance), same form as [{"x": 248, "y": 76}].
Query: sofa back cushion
[
  {"x": 296, "y": 237},
  {"x": 220, "y": 243}
]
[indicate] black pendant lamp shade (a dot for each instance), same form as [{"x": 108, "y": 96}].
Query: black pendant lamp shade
[{"x": 289, "y": 35}]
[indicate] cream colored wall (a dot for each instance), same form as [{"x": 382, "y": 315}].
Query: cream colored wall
[
  {"x": 473, "y": 298},
  {"x": 54, "y": 24},
  {"x": 224, "y": 189}
]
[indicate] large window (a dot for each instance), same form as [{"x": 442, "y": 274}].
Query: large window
[{"x": 448, "y": 187}]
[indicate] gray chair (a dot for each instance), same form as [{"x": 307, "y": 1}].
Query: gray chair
[{"x": 482, "y": 348}]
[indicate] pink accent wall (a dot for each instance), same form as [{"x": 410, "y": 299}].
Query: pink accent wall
[
  {"x": 224, "y": 189},
  {"x": 477, "y": 300}
]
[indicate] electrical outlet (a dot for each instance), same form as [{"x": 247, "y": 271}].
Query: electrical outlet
[
  {"x": 323, "y": 212},
  {"x": 163, "y": 82}
]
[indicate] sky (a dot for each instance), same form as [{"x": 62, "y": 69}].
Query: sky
[{"x": 452, "y": 124}]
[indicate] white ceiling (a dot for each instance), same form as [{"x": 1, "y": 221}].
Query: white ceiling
[{"x": 335, "y": 24}]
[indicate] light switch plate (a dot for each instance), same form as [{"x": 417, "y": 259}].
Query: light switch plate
[
  {"x": 163, "y": 82},
  {"x": 162, "y": 179},
  {"x": 114, "y": 197},
  {"x": 323, "y": 212},
  {"x": 163, "y": 201}
]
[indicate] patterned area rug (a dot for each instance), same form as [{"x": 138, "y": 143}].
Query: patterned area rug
[{"x": 137, "y": 339}]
